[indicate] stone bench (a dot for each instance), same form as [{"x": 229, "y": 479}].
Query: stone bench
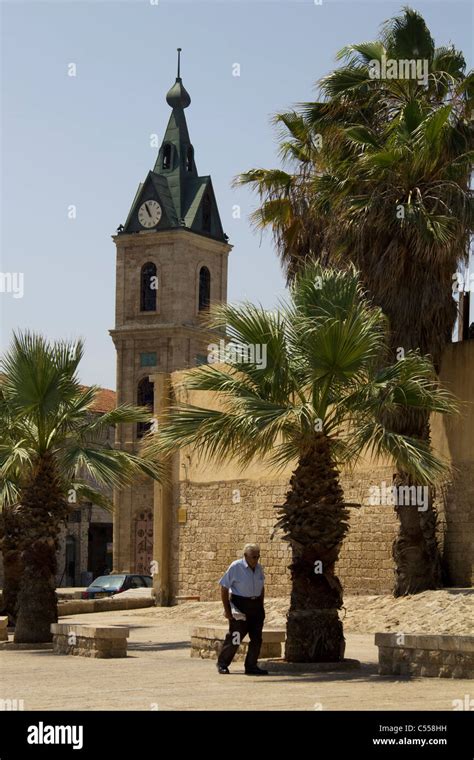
[
  {"x": 90, "y": 640},
  {"x": 3, "y": 628},
  {"x": 430, "y": 656},
  {"x": 206, "y": 642}
]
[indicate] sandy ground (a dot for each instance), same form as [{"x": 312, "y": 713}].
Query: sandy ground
[
  {"x": 159, "y": 674},
  {"x": 446, "y": 611}
]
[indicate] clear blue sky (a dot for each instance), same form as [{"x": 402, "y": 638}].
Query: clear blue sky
[{"x": 86, "y": 140}]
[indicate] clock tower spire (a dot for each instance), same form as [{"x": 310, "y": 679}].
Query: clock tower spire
[
  {"x": 171, "y": 267},
  {"x": 173, "y": 194}
]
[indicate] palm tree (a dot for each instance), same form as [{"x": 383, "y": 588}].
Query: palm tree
[
  {"x": 393, "y": 198},
  {"x": 52, "y": 456},
  {"x": 323, "y": 398},
  {"x": 400, "y": 185},
  {"x": 287, "y": 197}
]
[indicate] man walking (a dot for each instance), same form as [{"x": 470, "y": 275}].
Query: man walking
[{"x": 244, "y": 580}]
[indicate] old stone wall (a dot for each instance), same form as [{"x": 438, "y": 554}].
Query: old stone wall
[
  {"x": 216, "y": 510},
  {"x": 223, "y": 516}
]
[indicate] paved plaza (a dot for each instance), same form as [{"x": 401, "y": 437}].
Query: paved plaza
[{"x": 159, "y": 674}]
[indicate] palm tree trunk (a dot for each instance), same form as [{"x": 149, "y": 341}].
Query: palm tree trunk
[
  {"x": 11, "y": 533},
  {"x": 398, "y": 287},
  {"x": 415, "y": 549},
  {"x": 315, "y": 522},
  {"x": 12, "y": 572},
  {"x": 45, "y": 507},
  {"x": 37, "y": 600}
]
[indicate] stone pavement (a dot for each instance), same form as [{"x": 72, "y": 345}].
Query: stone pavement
[{"x": 159, "y": 674}]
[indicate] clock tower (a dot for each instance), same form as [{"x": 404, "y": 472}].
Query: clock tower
[{"x": 171, "y": 266}]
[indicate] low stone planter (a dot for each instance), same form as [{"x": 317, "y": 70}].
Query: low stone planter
[
  {"x": 118, "y": 602},
  {"x": 3, "y": 628},
  {"x": 430, "y": 656},
  {"x": 207, "y": 641},
  {"x": 89, "y": 640}
]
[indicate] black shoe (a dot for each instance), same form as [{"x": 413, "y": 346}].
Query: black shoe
[
  {"x": 222, "y": 669},
  {"x": 256, "y": 672}
]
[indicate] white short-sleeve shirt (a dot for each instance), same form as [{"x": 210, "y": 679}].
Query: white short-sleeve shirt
[{"x": 242, "y": 580}]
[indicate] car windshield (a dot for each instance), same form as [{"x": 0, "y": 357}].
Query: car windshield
[{"x": 108, "y": 581}]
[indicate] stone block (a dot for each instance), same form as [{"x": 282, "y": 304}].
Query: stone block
[
  {"x": 430, "y": 656},
  {"x": 206, "y": 642},
  {"x": 90, "y": 641}
]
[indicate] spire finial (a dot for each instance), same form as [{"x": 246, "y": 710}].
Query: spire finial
[
  {"x": 177, "y": 97},
  {"x": 179, "y": 61}
]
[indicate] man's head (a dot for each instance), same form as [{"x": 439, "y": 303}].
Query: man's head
[{"x": 252, "y": 554}]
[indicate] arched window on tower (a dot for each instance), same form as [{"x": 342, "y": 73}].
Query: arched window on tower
[
  {"x": 189, "y": 158},
  {"x": 145, "y": 397},
  {"x": 148, "y": 287},
  {"x": 167, "y": 153},
  {"x": 206, "y": 214},
  {"x": 204, "y": 288}
]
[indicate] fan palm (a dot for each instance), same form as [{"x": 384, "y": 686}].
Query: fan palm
[
  {"x": 390, "y": 191},
  {"x": 324, "y": 397},
  {"x": 52, "y": 456}
]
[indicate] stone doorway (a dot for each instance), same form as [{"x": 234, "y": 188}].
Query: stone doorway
[
  {"x": 99, "y": 546},
  {"x": 144, "y": 542}
]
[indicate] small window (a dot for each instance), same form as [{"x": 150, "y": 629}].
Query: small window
[
  {"x": 75, "y": 517},
  {"x": 189, "y": 158},
  {"x": 206, "y": 214},
  {"x": 167, "y": 149},
  {"x": 204, "y": 288},
  {"x": 145, "y": 397},
  {"x": 136, "y": 581},
  {"x": 148, "y": 359},
  {"x": 201, "y": 359},
  {"x": 148, "y": 287}
]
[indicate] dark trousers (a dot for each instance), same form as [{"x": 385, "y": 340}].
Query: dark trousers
[{"x": 238, "y": 629}]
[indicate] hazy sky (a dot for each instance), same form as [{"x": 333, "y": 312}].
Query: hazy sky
[{"x": 85, "y": 140}]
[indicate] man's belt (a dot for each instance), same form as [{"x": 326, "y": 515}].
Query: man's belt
[{"x": 236, "y": 596}]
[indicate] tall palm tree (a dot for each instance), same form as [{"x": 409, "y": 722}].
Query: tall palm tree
[
  {"x": 324, "y": 397},
  {"x": 393, "y": 198},
  {"x": 288, "y": 196},
  {"x": 52, "y": 456}
]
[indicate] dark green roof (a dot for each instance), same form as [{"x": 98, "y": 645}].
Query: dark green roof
[{"x": 187, "y": 200}]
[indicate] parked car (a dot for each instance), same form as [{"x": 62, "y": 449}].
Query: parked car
[{"x": 109, "y": 585}]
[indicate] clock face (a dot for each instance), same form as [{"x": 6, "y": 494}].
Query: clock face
[{"x": 149, "y": 214}]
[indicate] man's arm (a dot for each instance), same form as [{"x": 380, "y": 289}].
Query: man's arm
[
  {"x": 262, "y": 595},
  {"x": 226, "y": 602}
]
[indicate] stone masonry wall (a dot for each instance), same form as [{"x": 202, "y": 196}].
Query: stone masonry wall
[
  {"x": 216, "y": 529},
  {"x": 459, "y": 526},
  {"x": 218, "y": 526}
]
